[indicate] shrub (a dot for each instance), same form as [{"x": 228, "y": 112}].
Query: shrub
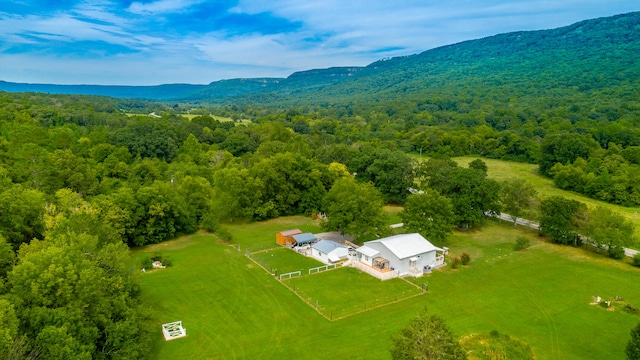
[
  {"x": 210, "y": 223},
  {"x": 616, "y": 252},
  {"x": 224, "y": 234},
  {"x": 465, "y": 258},
  {"x": 156, "y": 257},
  {"x": 455, "y": 263},
  {"x": 636, "y": 260},
  {"x": 146, "y": 262},
  {"x": 166, "y": 261},
  {"x": 630, "y": 309},
  {"x": 521, "y": 243},
  {"x": 426, "y": 336}
]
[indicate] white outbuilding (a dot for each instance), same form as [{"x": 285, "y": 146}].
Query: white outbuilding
[{"x": 329, "y": 252}]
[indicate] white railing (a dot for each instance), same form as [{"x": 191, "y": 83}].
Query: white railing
[
  {"x": 290, "y": 275},
  {"x": 322, "y": 268},
  {"x": 373, "y": 272}
]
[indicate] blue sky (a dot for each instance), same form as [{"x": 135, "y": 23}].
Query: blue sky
[{"x": 148, "y": 42}]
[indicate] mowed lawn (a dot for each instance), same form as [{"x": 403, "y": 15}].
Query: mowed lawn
[
  {"x": 258, "y": 236},
  {"x": 282, "y": 260},
  {"x": 234, "y": 309},
  {"x": 345, "y": 291}
]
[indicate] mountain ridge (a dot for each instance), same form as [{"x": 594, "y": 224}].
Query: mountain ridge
[{"x": 514, "y": 57}]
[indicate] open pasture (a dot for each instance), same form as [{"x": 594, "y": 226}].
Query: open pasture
[
  {"x": 501, "y": 170},
  {"x": 232, "y": 308},
  {"x": 215, "y": 117}
]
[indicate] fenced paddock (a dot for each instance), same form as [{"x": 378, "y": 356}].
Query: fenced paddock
[
  {"x": 283, "y": 260},
  {"x": 290, "y": 275},
  {"x": 347, "y": 291},
  {"x": 322, "y": 268}
]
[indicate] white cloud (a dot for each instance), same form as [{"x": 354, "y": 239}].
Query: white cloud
[
  {"x": 162, "y": 6},
  {"x": 67, "y": 28}
]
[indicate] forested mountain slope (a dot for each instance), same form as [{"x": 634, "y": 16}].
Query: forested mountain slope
[{"x": 581, "y": 59}]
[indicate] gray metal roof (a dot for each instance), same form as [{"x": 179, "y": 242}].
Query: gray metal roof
[
  {"x": 327, "y": 246},
  {"x": 304, "y": 238},
  {"x": 365, "y": 250},
  {"x": 406, "y": 245}
]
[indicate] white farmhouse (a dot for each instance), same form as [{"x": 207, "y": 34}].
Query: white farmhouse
[
  {"x": 399, "y": 255},
  {"x": 329, "y": 252}
]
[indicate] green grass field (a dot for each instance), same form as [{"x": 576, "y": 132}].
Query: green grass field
[
  {"x": 232, "y": 308},
  {"x": 219, "y": 118},
  {"x": 282, "y": 260},
  {"x": 365, "y": 292},
  {"x": 258, "y": 236},
  {"x": 393, "y": 212},
  {"x": 501, "y": 170}
]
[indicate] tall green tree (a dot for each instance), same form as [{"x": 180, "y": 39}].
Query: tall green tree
[
  {"x": 354, "y": 208},
  {"x": 426, "y": 337},
  {"x": 470, "y": 192},
  {"x": 236, "y": 193},
  {"x": 9, "y": 330},
  {"x": 633, "y": 345},
  {"x": 291, "y": 184},
  {"x": 565, "y": 148},
  {"x": 561, "y": 219},
  {"x": 429, "y": 214},
  {"x": 6, "y": 259},
  {"x": 21, "y": 214},
  {"x": 148, "y": 138},
  {"x": 517, "y": 197},
  {"x": 391, "y": 171},
  {"x": 76, "y": 297},
  {"x": 472, "y": 196},
  {"x": 610, "y": 230}
]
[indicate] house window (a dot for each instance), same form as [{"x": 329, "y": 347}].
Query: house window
[{"x": 366, "y": 258}]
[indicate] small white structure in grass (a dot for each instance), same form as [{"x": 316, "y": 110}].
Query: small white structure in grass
[{"x": 173, "y": 330}]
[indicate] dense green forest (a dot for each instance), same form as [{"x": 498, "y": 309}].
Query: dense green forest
[
  {"x": 81, "y": 181},
  {"x": 83, "y": 178}
]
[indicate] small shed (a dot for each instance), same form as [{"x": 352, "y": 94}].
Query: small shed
[
  {"x": 329, "y": 252},
  {"x": 286, "y": 237},
  {"x": 303, "y": 239}
]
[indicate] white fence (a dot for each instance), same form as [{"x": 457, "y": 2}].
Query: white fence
[
  {"x": 322, "y": 268},
  {"x": 290, "y": 275}
]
